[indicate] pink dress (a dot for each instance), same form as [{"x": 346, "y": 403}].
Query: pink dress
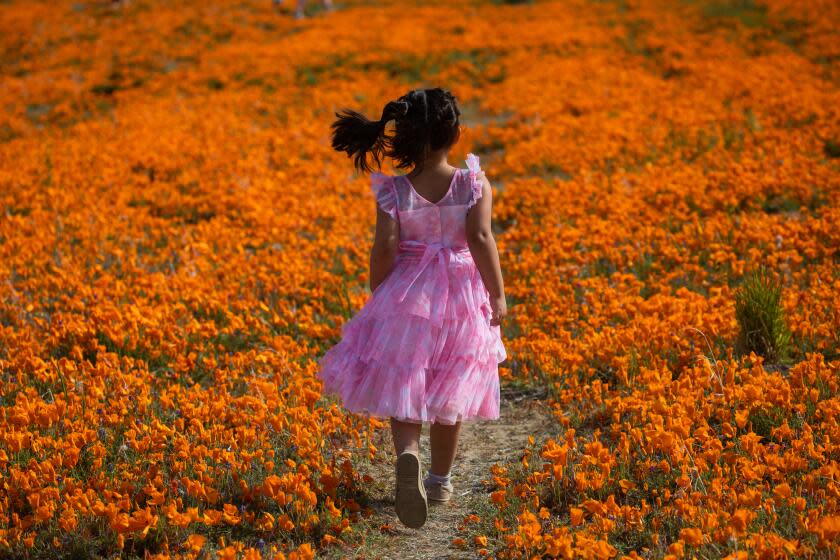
[{"x": 422, "y": 348}]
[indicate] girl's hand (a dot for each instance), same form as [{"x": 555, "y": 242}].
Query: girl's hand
[{"x": 499, "y": 307}]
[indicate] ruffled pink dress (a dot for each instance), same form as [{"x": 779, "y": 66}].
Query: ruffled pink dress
[{"x": 422, "y": 348}]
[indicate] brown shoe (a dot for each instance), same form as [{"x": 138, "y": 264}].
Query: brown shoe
[
  {"x": 437, "y": 491},
  {"x": 410, "y": 500}
]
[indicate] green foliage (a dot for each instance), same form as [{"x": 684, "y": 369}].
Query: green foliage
[
  {"x": 832, "y": 148},
  {"x": 748, "y": 12},
  {"x": 764, "y": 421},
  {"x": 758, "y": 309},
  {"x": 215, "y": 83}
]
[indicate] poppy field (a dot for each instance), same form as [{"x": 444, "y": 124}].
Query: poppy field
[{"x": 179, "y": 244}]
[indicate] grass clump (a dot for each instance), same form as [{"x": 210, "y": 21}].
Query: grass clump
[{"x": 761, "y": 321}]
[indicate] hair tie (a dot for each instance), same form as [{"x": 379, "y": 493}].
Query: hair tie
[{"x": 393, "y": 109}]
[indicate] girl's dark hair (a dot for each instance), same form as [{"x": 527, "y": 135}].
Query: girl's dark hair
[{"x": 423, "y": 119}]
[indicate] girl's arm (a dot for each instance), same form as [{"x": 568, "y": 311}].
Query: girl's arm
[
  {"x": 482, "y": 246},
  {"x": 385, "y": 247}
]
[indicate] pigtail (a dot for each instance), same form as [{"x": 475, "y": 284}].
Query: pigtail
[{"x": 358, "y": 136}]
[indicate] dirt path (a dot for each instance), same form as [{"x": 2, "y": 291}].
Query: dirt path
[{"x": 482, "y": 444}]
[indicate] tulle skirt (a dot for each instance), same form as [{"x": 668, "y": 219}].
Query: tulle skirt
[{"x": 422, "y": 348}]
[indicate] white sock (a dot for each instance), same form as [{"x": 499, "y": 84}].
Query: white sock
[{"x": 438, "y": 478}]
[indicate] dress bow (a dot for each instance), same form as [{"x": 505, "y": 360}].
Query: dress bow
[{"x": 441, "y": 254}]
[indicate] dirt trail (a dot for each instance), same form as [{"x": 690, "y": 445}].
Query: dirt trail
[{"x": 482, "y": 444}]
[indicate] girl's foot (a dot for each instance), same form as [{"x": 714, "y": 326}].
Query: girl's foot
[
  {"x": 410, "y": 500},
  {"x": 438, "y": 491}
]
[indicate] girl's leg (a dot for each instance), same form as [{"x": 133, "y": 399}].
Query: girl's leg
[
  {"x": 406, "y": 436},
  {"x": 444, "y": 444},
  {"x": 410, "y": 494},
  {"x": 299, "y": 13}
]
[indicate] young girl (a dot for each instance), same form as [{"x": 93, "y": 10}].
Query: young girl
[{"x": 426, "y": 345}]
